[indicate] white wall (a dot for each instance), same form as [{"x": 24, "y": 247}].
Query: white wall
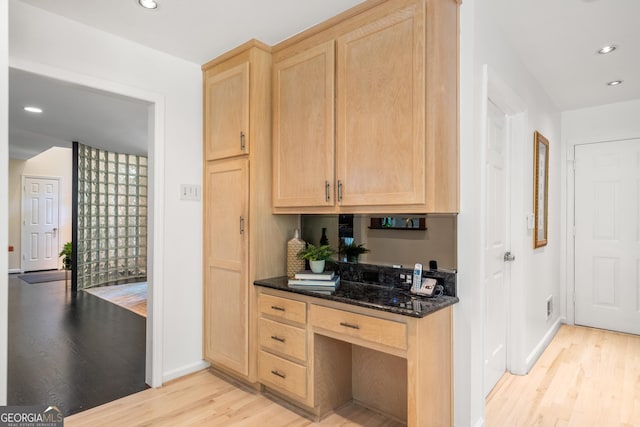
[
  {"x": 4, "y": 198},
  {"x": 48, "y": 44},
  {"x": 536, "y": 272},
  {"x": 56, "y": 162},
  {"x": 603, "y": 123}
]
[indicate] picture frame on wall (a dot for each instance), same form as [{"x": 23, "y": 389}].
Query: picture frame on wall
[{"x": 540, "y": 189}]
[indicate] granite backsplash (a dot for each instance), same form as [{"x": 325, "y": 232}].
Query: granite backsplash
[{"x": 390, "y": 276}]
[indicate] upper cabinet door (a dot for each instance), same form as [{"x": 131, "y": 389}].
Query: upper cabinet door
[
  {"x": 226, "y": 112},
  {"x": 303, "y": 131},
  {"x": 380, "y": 111}
]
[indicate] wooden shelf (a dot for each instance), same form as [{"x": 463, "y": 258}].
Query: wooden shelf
[
  {"x": 379, "y": 223},
  {"x": 398, "y": 228}
]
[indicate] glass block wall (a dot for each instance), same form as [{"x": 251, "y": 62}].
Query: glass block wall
[{"x": 112, "y": 217}]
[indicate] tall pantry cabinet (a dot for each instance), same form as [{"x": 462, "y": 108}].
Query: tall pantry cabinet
[{"x": 243, "y": 241}]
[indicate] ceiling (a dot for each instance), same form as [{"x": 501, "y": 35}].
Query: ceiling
[
  {"x": 71, "y": 113},
  {"x": 556, "y": 40}
]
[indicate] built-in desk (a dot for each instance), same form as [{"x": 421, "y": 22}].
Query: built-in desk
[{"x": 319, "y": 351}]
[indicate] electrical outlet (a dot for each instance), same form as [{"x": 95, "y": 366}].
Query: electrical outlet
[{"x": 549, "y": 307}]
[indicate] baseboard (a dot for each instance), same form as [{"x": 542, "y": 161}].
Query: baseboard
[
  {"x": 15, "y": 271},
  {"x": 532, "y": 358},
  {"x": 479, "y": 423},
  {"x": 185, "y": 370}
]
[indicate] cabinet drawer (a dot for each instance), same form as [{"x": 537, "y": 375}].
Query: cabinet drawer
[
  {"x": 283, "y": 308},
  {"x": 381, "y": 331},
  {"x": 283, "y": 374},
  {"x": 285, "y": 339}
]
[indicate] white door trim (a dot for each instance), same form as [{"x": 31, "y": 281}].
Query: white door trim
[
  {"x": 23, "y": 238},
  {"x": 495, "y": 89},
  {"x": 567, "y": 254},
  {"x": 155, "y": 261}
]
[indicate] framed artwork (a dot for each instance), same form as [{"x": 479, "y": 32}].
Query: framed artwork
[{"x": 540, "y": 189}]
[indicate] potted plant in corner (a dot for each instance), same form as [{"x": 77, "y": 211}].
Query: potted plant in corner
[
  {"x": 66, "y": 254},
  {"x": 353, "y": 251},
  {"x": 316, "y": 255}
]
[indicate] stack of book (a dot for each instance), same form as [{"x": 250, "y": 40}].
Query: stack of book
[{"x": 323, "y": 282}]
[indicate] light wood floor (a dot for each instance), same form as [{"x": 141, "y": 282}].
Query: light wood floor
[
  {"x": 132, "y": 296},
  {"x": 586, "y": 377},
  {"x": 204, "y": 399}
]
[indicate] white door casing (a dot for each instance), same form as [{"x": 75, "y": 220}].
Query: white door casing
[
  {"x": 40, "y": 225},
  {"x": 607, "y": 235},
  {"x": 154, "y": 371},
  {"x": 495, "y": 246}
]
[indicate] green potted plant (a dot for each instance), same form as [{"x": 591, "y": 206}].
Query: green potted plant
[
  {"x": 66, "y": 254},
  {"x": 353, "y": 251},
  {"x": 316, "y": 255}
]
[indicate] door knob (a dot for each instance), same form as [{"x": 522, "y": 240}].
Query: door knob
[{"x": 508, "y": 256}]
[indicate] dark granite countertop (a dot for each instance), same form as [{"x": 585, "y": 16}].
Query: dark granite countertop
[{"x": 379, "y": 297}]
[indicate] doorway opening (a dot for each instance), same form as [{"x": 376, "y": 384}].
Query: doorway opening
[{"x": 154, "y": 105}]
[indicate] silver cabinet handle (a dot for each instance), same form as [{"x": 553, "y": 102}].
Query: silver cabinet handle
[
  {"x": 326, "y": 191},
  {"x": 278, "y": 374},
  {"x": 241, "y": 225},
  {"x": 339, "y": 190},
  {"x": 242, "y": 144},
  {"x": 508, "y": 256},
  {"x": 349, "y": 325},
  {"x": 277, "y": 338}
]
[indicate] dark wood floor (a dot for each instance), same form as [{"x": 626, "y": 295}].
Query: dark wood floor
[{"x": 75, "y": 351}]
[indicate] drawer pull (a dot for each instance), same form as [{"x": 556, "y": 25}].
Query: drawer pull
[
  {"x": 275, "y": 307},
  {"x": 277, "y": 338},
  {"x": 278, "y": 374},
  {"x": 349, "y": 325}
]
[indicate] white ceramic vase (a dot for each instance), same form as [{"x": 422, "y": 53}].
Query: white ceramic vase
[{"x": 317, "y": 266}]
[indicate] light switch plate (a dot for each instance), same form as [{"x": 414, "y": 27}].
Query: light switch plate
[
  {"x": 190, "y": 192},
  {"x": 530, "y": 221}
]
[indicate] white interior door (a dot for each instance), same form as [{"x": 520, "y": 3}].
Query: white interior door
[
  {"x": 607, "y": 239},
  {"x": 495, "y": 247},
  {"x": 40, "y": 228}
]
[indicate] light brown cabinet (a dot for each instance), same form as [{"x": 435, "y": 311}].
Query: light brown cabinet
[
  {"x": 394, "y": 144},
  {"x": 380, "y": 109},
  {"x": 282, "y": 361},
  {"x": 303, "y": 131},
  {"x": 242, "y": 239},
  {"x": 226, "y": 112},
  {"x": 225, "y": 286},
  {"x": 398, "y": 365},
  {"x": 374, "y": 330}
]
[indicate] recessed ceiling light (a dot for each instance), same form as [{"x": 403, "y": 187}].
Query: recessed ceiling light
[
  {"x": 148, "y": 4},
  {"x": 615, "y": 83},
  {"x": 33, "y": 109},
  {"x": 607, "y": 49}
]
